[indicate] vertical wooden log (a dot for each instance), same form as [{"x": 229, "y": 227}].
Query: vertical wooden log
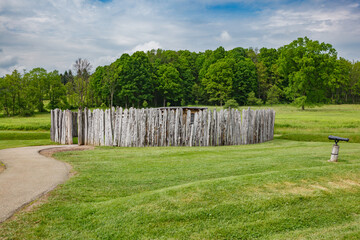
[
  {"x": 120, "y": 130},
  {"x": 56, "y": 125},
  {"x": 148, "y": 126},
  {"x": 113, "y": 111},
  {"x": 124, "y": 128},
  {"x": 255, "y": 127},
  {"x": 143, "y": 127},
  {"x": 102, "y": 128},
  {"x": 193, "y": 129},
  {"x": 266, "y": 125},
  {"x": 128, "y": 128},
  {"x": 215, "y": 128},
  {"x": 176, "y": 127},
  {"x": 86, "y": 125},
  {"x": 273, "y": 125},
  {"x": 157, "y": 128},
  {"x": 69, "y": 127},
  {"x": 136, "y": 128},
  {"x": 52, "y": 135},
  {"x": 200, "y": 128},
  {"x": 163, "y": 127},
  {"x": 171, "y": 127},
  {"x": 238, "y": 124},
  {"x": 60, "y": 118},
  {"x": 116, "y": 127},
  {"x": 153, "y": 126},
  {"x": 107, "y": 127},
  {"x": 63, "y": 127},
  {"x": 221, "y": 127},
  {"x": 96, "y": 127},
  {"x": 228, "y": 127},
  {"x": 188, "y": 128},
  {"x": 90, "y": 127},
  {"x": 208, "y": 128},
  {"x": 205, "y": 128},
  {"x": 244, "y": 126},
  {"x": 80, "y": 128}
]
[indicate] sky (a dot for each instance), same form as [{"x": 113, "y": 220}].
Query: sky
[{"x": 52, "y": 34}]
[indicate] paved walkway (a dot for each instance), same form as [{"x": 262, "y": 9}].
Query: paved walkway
[{"x": 28, "y": 175}]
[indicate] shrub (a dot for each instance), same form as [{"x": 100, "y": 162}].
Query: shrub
[
  {"x": 231, "y": 103},
  {"x": 252, "y": 100}
]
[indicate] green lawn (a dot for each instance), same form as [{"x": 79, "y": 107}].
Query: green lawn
[
  {"x": 276, "y": 190},
  {"x": 282, "y": 189}
]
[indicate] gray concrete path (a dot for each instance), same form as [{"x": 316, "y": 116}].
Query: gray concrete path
[{"x": 28, "y": 175}]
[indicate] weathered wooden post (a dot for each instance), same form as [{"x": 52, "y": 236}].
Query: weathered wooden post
[
  {"x": 80, "y": 127},
  {"x": 69, "y": 127},
  {"x": 85, "y": 126},
  {"x": 335, "y": 150},
  {"x": 52, "y": 135},
  {"x": 108, "y": 128}
]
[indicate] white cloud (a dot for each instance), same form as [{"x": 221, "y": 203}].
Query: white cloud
[
  {"x": 54, "y": 33},
  {"x": 225, "y": 36},
  {"x": 7, "y": 62},
  {"x": 146, "y": 46}
]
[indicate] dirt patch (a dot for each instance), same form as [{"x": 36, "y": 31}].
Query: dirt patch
[{"x": 50, "y": 151}]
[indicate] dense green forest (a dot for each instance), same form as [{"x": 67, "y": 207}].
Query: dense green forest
[{"x": 304, "y": 72}]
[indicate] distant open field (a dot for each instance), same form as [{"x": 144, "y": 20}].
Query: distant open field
[{"x": 282, "y": 189}]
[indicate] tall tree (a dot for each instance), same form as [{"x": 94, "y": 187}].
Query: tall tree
[
  {"x": 307, "y": 65},
  {"x": 82, "y": 68},
  {"x": 56, "y": 91},
  {"x": 354, "y": 88},
  {"x": 39, "y": 83},
  {"x": 218, "y": 80},
  {"x": 245, "y": 80},
  {"x": 169, "y": 85}
]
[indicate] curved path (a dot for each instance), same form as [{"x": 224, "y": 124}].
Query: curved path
[{"x": 28, "y": 176}]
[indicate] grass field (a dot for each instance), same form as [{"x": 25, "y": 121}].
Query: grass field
[
  {"x": 276, "y": 190},
  {"x": 282, "y": 189}
]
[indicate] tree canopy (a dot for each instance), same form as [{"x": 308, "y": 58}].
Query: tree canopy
[{"x": 304, "y": 72}]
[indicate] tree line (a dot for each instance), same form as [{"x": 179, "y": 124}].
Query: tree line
[{"x": 304, "y": 72}]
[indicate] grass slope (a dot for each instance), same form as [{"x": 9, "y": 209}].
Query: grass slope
[
  {"x": 40, "y": 121},
  {"x": 276, "y": 190}
]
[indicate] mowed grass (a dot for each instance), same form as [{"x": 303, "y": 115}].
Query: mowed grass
[
  {"x": 276, "y": 190},
  {"x": 282, "y": 189}
]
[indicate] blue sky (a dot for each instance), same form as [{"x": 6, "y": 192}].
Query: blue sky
[{"x": 54, "y": 33}]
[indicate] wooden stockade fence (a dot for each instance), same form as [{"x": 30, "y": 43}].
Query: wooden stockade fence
[{"x": 162, "y": 127}]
